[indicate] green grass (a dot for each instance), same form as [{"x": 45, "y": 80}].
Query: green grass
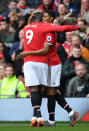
[{"x": 60, "y": 126}]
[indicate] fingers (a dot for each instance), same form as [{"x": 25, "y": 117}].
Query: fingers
[
  {"x": 30, "y": 19},
  {"x": 22, "y": 55},
  {"x": 18, "y": 57}
]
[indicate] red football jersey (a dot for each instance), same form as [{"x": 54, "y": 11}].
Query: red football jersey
[
  {"x": 34, "y": 40},
  {"x": 53, "y": 58},
  {"x": 34, "y": 37}
]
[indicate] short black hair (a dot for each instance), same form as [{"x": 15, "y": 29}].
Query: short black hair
[
  {"x": 37, "y": 17},
  {"x": 84, "y": 21},
  {"x": 51, "y": 13}
]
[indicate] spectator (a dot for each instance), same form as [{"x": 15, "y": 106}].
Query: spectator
[
  {"x": 68, "y": 70},
  {"x": 85, "y": 10},
  {"x": 11, "y": 6},
  {"x": 79, "y": 85},
  {"x": 86, "y": 41},
  {"x": 7, "y": 37},
  {"x": 68, "y": 43},
  {"x": 2, "y": 71},
  {"x": 63, "y": 11},
  {"x": 72, "y": 7},
  {"x": 83, "y": 28},
  {"x": 2, "y": 53},
  {"x": 13, "y": 19},
  {"x": 16, "y": 48},
  {"x": 22, "y": 6},
  {"x": 64, "y": 50},
  {"x": 47, "y": 5},
  {"x": 21, "y": 23},
  {"x": 76, "y": 40},
  {"x": 10, "y": 86}
]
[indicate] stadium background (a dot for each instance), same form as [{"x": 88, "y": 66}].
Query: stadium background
[
  {"x": 32, "y": 3},
  {"x": 21, "y": 110}
]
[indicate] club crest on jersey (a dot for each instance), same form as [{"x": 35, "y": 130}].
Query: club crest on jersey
[{"x": 49, "y": 38}]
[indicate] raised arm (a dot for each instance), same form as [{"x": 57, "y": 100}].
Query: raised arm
[{"x": 55, "y": 28}]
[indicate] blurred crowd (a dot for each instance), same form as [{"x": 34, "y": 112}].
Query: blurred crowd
[{"x": 72, "y": 47}]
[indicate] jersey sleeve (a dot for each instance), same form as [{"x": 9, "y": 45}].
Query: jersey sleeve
[
  {"x": 49, "y": 39},
  {"x": 54, "y": 28}
]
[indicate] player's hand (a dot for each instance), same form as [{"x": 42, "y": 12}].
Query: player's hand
[
  {"x": 22, "y": 55},
  {"x": 30, "y": 19}
]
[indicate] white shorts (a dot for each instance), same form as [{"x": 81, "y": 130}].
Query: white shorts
[
  {"x": 54, "y": 74},
  {"x": 35, "y": 73}
]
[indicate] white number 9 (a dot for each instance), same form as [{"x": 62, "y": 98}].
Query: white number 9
[{"x": 29, "y": 35}]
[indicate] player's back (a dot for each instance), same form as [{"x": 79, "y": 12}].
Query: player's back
[{"x": 34, "y": 40}]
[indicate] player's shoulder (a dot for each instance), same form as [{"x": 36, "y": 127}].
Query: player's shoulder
[
  {"x": 27, "y": 26},
  {"x": 33, "y": 25},
  {"x": 50, "y": 37},
  {"x": 45, "y": 24},
  {"x": 52, "y": 34}
]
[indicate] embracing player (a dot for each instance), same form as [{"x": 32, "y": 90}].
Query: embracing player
[{"x": 36, "y": 60}]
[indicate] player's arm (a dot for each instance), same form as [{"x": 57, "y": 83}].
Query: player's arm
[
  {"x": 43, "y": 51},
  {"x": 55, "y": 28}
]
